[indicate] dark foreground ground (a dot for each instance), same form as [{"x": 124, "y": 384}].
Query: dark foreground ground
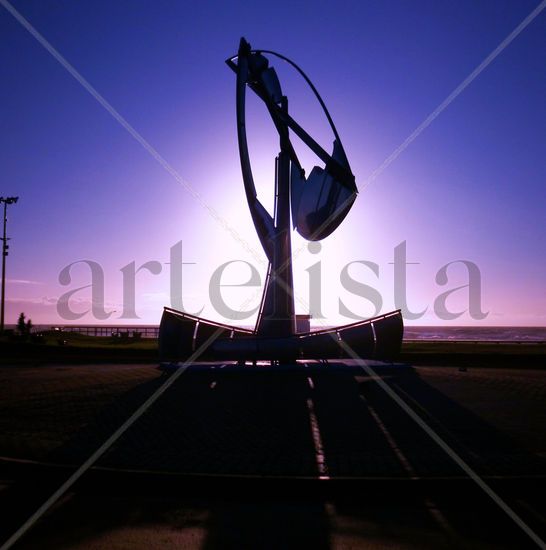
[{"x": 315, "y": 456}]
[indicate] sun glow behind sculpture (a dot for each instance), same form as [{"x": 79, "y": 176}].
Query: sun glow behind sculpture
[
  {"x": 318, "y": 204},
  {"x": 223, "y": 177},
  {"x": 469, "y": 187}
]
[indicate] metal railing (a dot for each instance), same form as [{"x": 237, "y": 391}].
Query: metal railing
[{"x": 111, "y": 331}]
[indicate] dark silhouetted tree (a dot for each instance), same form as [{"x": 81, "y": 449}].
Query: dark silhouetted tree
[{"x": 21, "y": 325}]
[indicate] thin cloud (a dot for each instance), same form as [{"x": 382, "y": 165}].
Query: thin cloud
[{"x": 23, "y": 282}]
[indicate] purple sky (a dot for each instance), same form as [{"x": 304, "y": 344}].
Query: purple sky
[{"x": 471, "y": 186}]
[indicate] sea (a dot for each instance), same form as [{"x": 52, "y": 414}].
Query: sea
[{"x": 482, "y": 334}]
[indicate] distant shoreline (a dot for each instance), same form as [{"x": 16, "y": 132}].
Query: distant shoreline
[{"x": 411, "y": 333}]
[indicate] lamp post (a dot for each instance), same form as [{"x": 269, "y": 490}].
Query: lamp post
[{"x": 5, "y": 248}]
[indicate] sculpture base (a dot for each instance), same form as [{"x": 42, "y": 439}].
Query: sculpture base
[{"x": 181, "y": 336}]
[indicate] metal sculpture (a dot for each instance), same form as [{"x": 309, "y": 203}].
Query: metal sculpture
[{"x": 317, "y": 205}]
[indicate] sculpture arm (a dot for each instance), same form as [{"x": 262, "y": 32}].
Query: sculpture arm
[{"x": 263, "y": 222}]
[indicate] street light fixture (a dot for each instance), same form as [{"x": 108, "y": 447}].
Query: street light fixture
[{"x": 5, "y": 248}]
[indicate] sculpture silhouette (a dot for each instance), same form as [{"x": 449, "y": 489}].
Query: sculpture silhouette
[{"x": 317, "y": 205}]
